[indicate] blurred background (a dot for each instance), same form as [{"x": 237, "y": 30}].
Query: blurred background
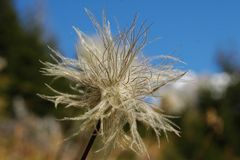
[{"x": 203, "y": 34}]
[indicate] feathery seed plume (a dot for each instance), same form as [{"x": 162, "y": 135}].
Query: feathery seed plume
[{"x": 112, "y": 80}]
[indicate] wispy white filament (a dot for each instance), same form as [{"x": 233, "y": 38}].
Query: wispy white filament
[{"x": 111, "y": 81}]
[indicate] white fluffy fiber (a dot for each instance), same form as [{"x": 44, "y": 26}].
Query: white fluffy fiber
[{"x": 112, "y": 79}]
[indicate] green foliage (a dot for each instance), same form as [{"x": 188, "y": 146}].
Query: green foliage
[
  {"x": 210, "y": 130},
  {"x": 22, "y": 49}
]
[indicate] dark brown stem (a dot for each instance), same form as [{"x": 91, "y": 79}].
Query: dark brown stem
[{"x": 91, "y": 141}]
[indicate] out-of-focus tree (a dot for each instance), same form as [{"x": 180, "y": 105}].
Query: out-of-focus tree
[
  {"x": 229, "y": 61},
  {"x": 21, "y": 49},
  {"x": 210, "y": 130}
]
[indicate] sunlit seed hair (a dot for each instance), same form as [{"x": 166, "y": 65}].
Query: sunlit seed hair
[{"x": 114, "y": 82}]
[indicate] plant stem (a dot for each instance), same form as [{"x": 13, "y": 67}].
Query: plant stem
[{"x": 91, "y": 141}]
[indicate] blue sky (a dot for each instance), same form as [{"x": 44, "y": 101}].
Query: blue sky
[{"x": 190, "y": 30}]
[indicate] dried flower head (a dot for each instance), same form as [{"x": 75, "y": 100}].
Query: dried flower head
[{"x": 113, "y": 81}]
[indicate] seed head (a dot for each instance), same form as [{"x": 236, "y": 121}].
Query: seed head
[{"x": 113, "y": 82}]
